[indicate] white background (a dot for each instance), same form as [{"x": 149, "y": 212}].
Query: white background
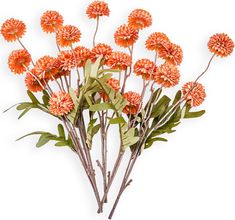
[{"x": 190, "y": 177}]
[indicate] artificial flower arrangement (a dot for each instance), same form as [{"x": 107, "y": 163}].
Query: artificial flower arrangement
[{"x": 83, "y": 83}]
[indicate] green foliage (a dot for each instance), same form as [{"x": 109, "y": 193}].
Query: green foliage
[
  {"x": 92, "y": 130},
  {"x": 189, "y": 114},
  {"x": 166, "y": 118},
  {"x": 45, "y": 137}
]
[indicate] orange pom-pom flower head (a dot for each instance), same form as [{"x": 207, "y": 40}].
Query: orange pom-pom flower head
[
  {"x": 82, "y": 55},
  {"x": 60, "y": 103},
  {"x": 134, "y": 103},
  {"x": 51, "y": 21},
  {"x": 157, "y": 41},
  {"x": 167, "y": 76},
  {"x": 172, "y": 53},
  {"x": 97, "y": 9},
  {"x": 119, "y": 60},
  {"x": 13, "y": 29},
  {"x": 101, "y": 49},
  {"x": 140, "y": 19},
  {"x": 221, "y": 45},
  {"x": 195, "y": 93},
  {"x": 125, "y": 36},
  {"x": 68, "y": 35},
  {"x": 66, "y": 60},
  {"x": 145, "y": 68},
  {"x": 33, "y": 82},
  {"x": 45, "y": 67},
  {"x": 19, "y": 61}
]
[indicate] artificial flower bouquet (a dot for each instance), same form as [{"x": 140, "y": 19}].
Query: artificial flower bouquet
[{"x": 85, "y": 89}]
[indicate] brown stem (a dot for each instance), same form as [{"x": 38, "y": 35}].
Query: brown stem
[
  {"x": 111, "y": 177},
  {"x": 96, "y": 30}
]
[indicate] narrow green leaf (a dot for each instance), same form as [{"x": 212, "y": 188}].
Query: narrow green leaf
[
  {"x": 44, "y": 139},
  {"x": 101, "y": 107},
  {"x": 61, "y": 131},
  {"x": 23, "y": 106},
  {"x": 118, "y": 120},
  {"x": 32, "y": 97},
  {"x": 32, "y": 133}
]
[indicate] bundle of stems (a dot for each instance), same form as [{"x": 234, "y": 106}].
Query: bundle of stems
[{"x": 86, "y": 91}]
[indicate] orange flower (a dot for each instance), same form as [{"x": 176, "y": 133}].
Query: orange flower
[
  {"x": 13, "y": 29},
  {"x": 145, "y": 68},
  {"x": 125, "y": 36},
  {"x": 59, "y": 72},
  {"x": 195, "y": 93},
  {"x": 67, "y": 35},
  {"x": 221, "y": 44},
  {"x": 119, "y": 60},
  {"x": 67, "y": 60},
  {"x": 45, "y": 67},
  {"x": 140, "y": 19},
  {"x": 82, "y": 55},
  {"x": 60, "y": 103},
  {"x": 101, "y": 50},
  {"x": 168, "y": 75},
  {"x": 97, "y": 9},
  {"x": 134, "y": 102},
  {"x": 32, "y": 82},
  {"x": 18, "y": 61},
  {"x": 51, "y": 21},
  {"x": 172, "y": 53},
  {"x": 114, "y": 84},
  {"x": 157, "y": 41}
]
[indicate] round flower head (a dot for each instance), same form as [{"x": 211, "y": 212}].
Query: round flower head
[
  {"x": 45, "y": 67},
  {"x": 60, "y": 103},
  {"x": 134, "y": 102},
  {"x": 125, "y": 36},
  {"x": 67, "y": 35},
  {"x": 195, "y": 93},
  {"x": 13, "y": 29},
  {"x": 33, "y": 83},
  {"x": 114, "y": 84},
  {"x": 101, "y": 50},
  {"x": 59, "y": 72},
  {"x": 157, "y": 41},
  {"x": 82, "y": 55},
  {"x": 119, "y": 60},
  {"x": 18, "y": 61},
  {"x": 168, "y": 75},
  {"x": 145, "y": 68},
  {"x": 67, "y": 60},
  {"x": 51, "y": 21},
  {"x": 140, "y": 19},
  {"x": 172, "y": 53},
  {"x": 221, "y": 44},
  {"x": 97, "y": 9}
]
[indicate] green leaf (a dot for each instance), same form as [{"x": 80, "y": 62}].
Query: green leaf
[
  {"x": 61, "y": 130},
  {"x": 188, "y": 114},
  {"x": 91, "y": 131},
  {"x": 177, "y": 97},
  {"x": 62, "y": 144},
  {"x": 108, "y": 71},
  {"x": 32, "y": 133},
  {"x": 44, "y": 139},
  {"x": 100, "y": 107},
  {"x": 24, "y": 112},
  {"x": 95, "y": 67},
  {"x": 160, "y": 107},
  {"x": 150, "y": 142},
  {"x": 23, "y": 106},
  {"x": 32, "y": 97},
  {"x": 45, "y": 98},
  {"x": 118, "y": 120}
]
